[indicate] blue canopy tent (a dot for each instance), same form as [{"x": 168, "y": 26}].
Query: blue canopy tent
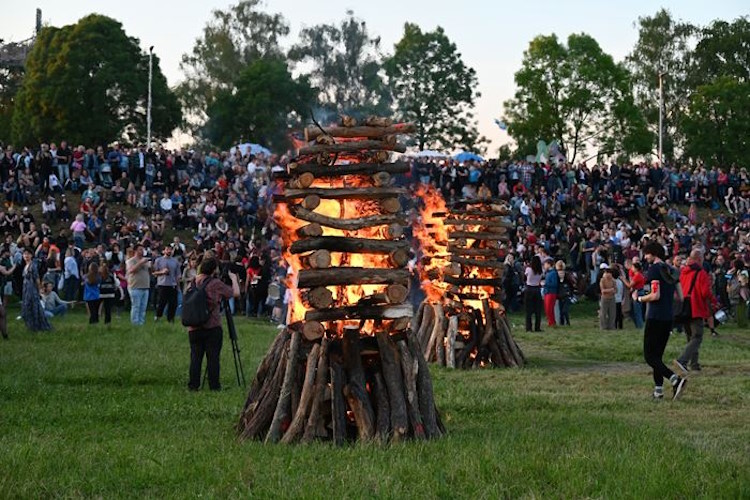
[{"x": 466, "y": 156}]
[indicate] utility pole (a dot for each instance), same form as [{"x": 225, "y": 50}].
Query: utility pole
[
  {"x": 661, "y": 117},
  {"x": 148, "y": 107}
]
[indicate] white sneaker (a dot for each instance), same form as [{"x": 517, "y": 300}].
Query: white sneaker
[{"x": 280, "y": 326}]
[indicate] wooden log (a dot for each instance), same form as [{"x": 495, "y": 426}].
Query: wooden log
[
  {"x": 450, "y": 358},
  {"x": 312, "y": 330},
  {"x": 390, "y": 205},
  {"x": 425, "y": 394},
  {"x": 283, "y": 407},
  {"x": 366, "y": 193},
  {"x": 485, "y": 252},
  {"x": 310, "y": 202},
  {"x": 410, "y": 368},
  {"x": 257, "y": 419},
  {"x": 392, "y": 231},
  {"x": 378, "y": 121},
  {"x": 438, "y": 333},
  {"x": 319, "y": 259},
  {"x": 496, "y": 282},
  {"x": 400, "y": 324},
  {"x": 355, "y": 390},
  {"x": 383, "y": 410},
  {"x": 381, "y": 179},
  {"x": 338, "y": 403},
  {"x": 479, "y": 235},
  {"x": 348, "y": 121},
  {"x": 478, "y": 263},
  {"x": 391, "y": 368},
  {"x": 312, "y": 133},
  {"x": 424, "y": 329},
  {"x": 515, "y": 350},
  {"x": 350, "y": 245},
  {"x": 318, "y": 298},
  {"x": 267, "y": 368},
  {"x": 345, "y": 276},
  {"x": 502, "y": 341},
  {"x": 361, "y": 312},
  {"x": 491, "y": 202},
  {"x": 303, "y": 408},
  {"x": 352, "y": 147},
  {"x": 399, "y": 257},
  {"x": 478, "y": 222},
  {"x": 396, "y": 294},
  {"x": 440, "y": 345},
  {"x": 328, "y": 171},
  {"x": 321, "y": 376},
  {"x": 310, "y": 231},
  {"x": 464, "y": 359},
  {"x": 488, "y": 214},
  {"x": 344, "y": 224},
  {"x": 303, "y": 181},
  {"x": 490, "y": 339}
]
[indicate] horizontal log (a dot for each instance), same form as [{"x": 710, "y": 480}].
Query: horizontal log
[
  {"x": 324, "y": 171},
  {"x": 345, "y": 224},
  {"x": 312, "y": 133},
  {"x": 351, "y": 245},
  {"x": 367, "y": 193},
  {"x": 479, "y": 235},
  {"x": 478, "y": 263},
  {"x": 489, "y": 214},
  {"x": 361, "y": 312},
  {"x": 344, "y": 276},
  {"x": 352, "y": 147},
  {"x": 472, "y": 281},
  {"x": 486, "y": 252},
  {"x": 478, "y": 222}
]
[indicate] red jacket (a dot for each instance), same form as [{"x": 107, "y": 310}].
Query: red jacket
[{"x": 701, "y": 295}]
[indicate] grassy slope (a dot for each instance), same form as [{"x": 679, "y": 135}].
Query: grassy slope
[{"x": 94, "y": 412}]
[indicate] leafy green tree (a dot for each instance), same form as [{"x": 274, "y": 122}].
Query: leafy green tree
[
  {"x": 11, "y": 78},
  {"x": 577, "y": 95},
  {"x": 231, "y": 40},
  {"x": 717, "y": 125},
  {"x": 346, "y": 66},
  {"x": 663, "y": 46},
  {"x": 433, "y": 88},
  {"x": 264, "y": 103},
  {"x": 88, "y": 83},
  {"x": 723, "y": 50}
]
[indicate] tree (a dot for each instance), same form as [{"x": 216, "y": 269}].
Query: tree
[
  {"x": 717, "y": 124},
  {"x": 88, "y": 83},
  {"x": 346, "y": 66},
  {"x": 577, "y": 95},
  {"x": 11, "y": 78},
  {"x": 231, "y": 40},
  {"x": 723, "y": 50},
  {"x": 663, "y": 46},
  {"x": 433, "y": 88},
  {"x": 265, "y": 101}
]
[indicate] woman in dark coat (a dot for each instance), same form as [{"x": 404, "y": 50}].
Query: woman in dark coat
[{"x": 32, "y": 311}]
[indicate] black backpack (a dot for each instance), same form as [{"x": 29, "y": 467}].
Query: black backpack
[{"x": 195, "y": 311}]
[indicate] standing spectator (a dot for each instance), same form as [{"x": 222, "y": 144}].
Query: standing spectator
[
  {"x": 64, "y": 157},
  {"x": 32, "y": 311},
  {"x": 137, "y": 270},
  {"x": 564, "y": 293},
  {"x": 71, "y": 276},
  {"x": 619, "y": 296},
  {"x": 551, "y": 285},
  {"x": 659, "y": 317},
  {"x": 607, "y": 305},
  {"x": 167, "y": 272},
  {"x": 634, "y": 281},
  {"x": 92, "y": 292},
  {"x": 79, "y": 231},
  {"x": 532, "y": 294},
  {"x": 109, "y": 290},
  {"x": 696, "y": 281}
]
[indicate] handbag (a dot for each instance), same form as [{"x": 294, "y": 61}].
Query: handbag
[{"x": 685, "y": 315}]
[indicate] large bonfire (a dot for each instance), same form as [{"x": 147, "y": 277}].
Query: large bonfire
[
  {"x": 462, "y": 322},
  {"x": 347, "y": 366}
]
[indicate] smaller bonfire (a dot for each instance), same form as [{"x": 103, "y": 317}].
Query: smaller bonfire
[{"x": 462, "y": 323}]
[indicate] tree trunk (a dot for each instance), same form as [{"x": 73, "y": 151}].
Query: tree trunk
[{"x": 394, "y": 382}]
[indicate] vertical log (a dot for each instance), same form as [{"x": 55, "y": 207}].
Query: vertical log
[
  {"x": 338, "y": 404},
  {"x": 383, "y": 411},
  {"x": 394, "y": 382},
  {"x": 267, "y": 368},
  {"x": 256, "y": 420},
  {"x": 410, "y": 368},
  {"x": 295, "y": 428},
  {"x": 425, "y": 393},
  {"x": 283, "y": 407},
  {"x": 321, "y": 376},
  {"x": 356, "y": 391},
  {"x": 508, "y": 359},
  {"x": 425, "y": 327},
  {"x": 514, "y": 349},
  {"x": 437, "y": 332},
  {"x": 450, "y": 359}
]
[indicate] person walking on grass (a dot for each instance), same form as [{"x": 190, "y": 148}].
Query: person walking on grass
[
  {"x": 139, "y": 281},
  {"x": 532, "y": 296},
  {"x": 696, "y": 283},
  {"x": 551, "y": 285},
  {"x": 607, "y": 304},
  {"x": 564, "y": 293},
  {"x": 92, "y": 292},
  {"x": 659, "y": 315}
]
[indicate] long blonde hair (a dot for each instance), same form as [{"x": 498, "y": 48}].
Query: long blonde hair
[{"x": 93, "y": 275}]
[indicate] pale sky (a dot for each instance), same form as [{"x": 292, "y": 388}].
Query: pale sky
[{"x": 491, "y": 35}]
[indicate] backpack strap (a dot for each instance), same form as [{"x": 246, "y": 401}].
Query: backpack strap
[{"x": 692, "y": 284}]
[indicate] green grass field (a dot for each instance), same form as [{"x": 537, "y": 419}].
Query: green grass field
[{"x": 95, "y": 412}]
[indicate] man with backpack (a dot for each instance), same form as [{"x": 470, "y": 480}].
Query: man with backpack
[
  {"x": 202, "y": 315},
  {"x": 697, "y": 286}
]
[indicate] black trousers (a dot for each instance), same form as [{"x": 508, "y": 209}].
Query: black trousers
[
  {"x": 93, "y": 310},
  {"x": 532, "y": 298},
  {"x": 168, "y": 299},
  {"x": 655, "y": 338},
  {"x": 107, "y": 306},
  {"x": 205, "y": 342}
]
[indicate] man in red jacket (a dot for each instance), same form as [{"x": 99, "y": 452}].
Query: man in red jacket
[{"x": 699, "y": 297}]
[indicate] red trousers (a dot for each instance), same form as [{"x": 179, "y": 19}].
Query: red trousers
[{"x": 550, "y": 300}]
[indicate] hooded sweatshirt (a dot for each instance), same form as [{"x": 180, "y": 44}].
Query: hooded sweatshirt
[{"x": 701, "y": 295}]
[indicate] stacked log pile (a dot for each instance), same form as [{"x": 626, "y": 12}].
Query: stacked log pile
[
  {"x": 347, "y": 367},
  {"x": 462, "y": 323}
]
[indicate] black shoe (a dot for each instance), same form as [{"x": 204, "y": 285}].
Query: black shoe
[
  {"x": 681, "y": 367},
  {"x": 678, "y": 387},
  {"x": 695, "y": 368}
]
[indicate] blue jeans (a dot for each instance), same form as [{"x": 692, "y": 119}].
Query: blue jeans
[
  {"x": 138, "y": 303},
  {"x": 59, "y": 310},
  {"x": 63, "y": 169},
  {"x": 636, "y": 311}
]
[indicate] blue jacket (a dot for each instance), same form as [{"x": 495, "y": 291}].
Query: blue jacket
[{"x": 551, "y": 282}]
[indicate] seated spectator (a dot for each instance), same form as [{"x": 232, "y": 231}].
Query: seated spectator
[{"x": 53, "y": 304}]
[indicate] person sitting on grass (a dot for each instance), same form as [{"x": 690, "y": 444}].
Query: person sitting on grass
[{"x": 53, "y": 304}]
